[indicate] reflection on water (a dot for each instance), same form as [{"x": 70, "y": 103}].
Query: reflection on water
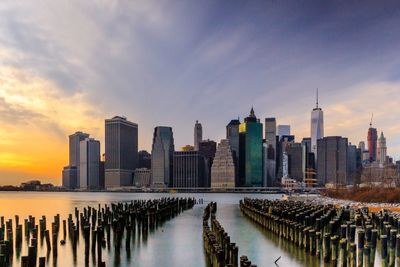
[{"x": 177, "y": 242}]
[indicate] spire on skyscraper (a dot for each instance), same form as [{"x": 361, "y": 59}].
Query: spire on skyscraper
[
  {"x": 317, "y": 97},
  {"x": 252, "y": 113}
]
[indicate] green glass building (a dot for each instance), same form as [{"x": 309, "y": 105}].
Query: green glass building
[{"x": 250, "y": 152}]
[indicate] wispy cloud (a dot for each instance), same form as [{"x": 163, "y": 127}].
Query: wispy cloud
[{"x": 67, "y": 65}]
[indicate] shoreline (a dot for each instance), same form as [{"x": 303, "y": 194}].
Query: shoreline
[{"x": 372, "y": 207}]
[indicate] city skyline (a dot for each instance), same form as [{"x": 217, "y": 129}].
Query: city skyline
[{"x": 52, "y": 87}]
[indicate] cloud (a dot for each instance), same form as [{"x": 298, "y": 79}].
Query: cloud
[{"x": 67, "y": 65}]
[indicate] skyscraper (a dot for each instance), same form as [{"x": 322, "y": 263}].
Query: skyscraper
[
  {"x": 144, "y": 159},
  {"x": 207, "y": 149},
  {"x": 74, "y": 151},
  {"x": 351, "y": 164},
  {"x": 282, "y": 151},
  {"x": 232, "y": 134},
  {"x": 198, "y": 135},
  {"x": 296, "y": 161},
  {"x": 382, "y": 150},
  {"x": 283, "y": 130},
  {"x": 223, "y": 167},
  {"x": 89, "y": 164},
  {"x": 317, "y": 127},
  {"x": 332, "y": 160},
  {"x": 372, "y": 143},
  {"x": 269, "y": 152},
  {"x": 162, "y": 154},
  {"x": 189, "y": 170},
  {"x": 121, "y": 151},
  {"x": 250, "y": 151},
  {"x": 69, "y": 177}
]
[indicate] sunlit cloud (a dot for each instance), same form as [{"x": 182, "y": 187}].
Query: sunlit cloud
[{"x": 68, "y": 65}]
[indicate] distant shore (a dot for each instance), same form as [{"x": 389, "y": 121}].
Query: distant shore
[{"x": 167, "y": 190}]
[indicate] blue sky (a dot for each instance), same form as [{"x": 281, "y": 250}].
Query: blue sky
[{"x": 68, "y": 65}]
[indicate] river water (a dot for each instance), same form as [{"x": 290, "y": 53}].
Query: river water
[{"x": 177, "y": 243}]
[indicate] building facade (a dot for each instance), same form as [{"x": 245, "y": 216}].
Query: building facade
[
  {"x": 317, "y": 127},
  {"x": 69, "y": 177},
  {"x": 223, "y": 168},
  {"x": 74, "y": 151},
  {"x": 283, "y": 148},
  {"x": 142, "y": 177},
  {"x": 144, "y": 159},
  {"x": 162, "y": 154},
  {"x": 332, "y": 160},
  {"x": 232, "y": 134},
  {"x": 283, "y": 130},
  {"x": 188, "y": 170},
  {"x": 382, "y": 150},
  {"x": 372, "y": 143},
  {"x": 198, "y": 135},
  {"x": 207, "y": 149},
  {"x": 250, "y": 152},
  {"x": 296, "y": 162},
  {"x": 121, "y": 151},
  {"x": 89, "y": 167},
  {"x": 351, "y": 164},
  {"x": 269, "y": 150}
]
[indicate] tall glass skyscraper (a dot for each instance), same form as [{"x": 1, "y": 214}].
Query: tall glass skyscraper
[
  {"x": 317, "y": 127},
  {"x": 198, "y": 135},
  {"x": 121, "y": 151},
  {"x": 250, "y": 152},
  {"x": 372, "y": 143},
  {"x": 74, "y": 152},
  {"x": 89, "y": 164},
  {"x": 270, "y": 152},
  {"x": 162, "y": 155}
]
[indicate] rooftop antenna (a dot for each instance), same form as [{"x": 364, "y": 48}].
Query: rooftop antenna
[
  {"x": 370, "y": 124},
  {"x": 317, "y": 97}
]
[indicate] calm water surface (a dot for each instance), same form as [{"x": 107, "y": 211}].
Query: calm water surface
[{"x": 177, "y": 243}]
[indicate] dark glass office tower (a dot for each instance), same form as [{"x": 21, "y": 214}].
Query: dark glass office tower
[
  {"x": 250, "y": 152},
  {"x": 121, "y": 153},
  {"x": 162, "y": 154}
]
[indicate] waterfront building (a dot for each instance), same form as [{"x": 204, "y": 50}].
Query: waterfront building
[
  {"x": 144, "y": 159},
  {"x": 269, "y": 152},
  {"x": 223, "y": 167},
  {"x": 162, "y": 154},
  {"x": 207, "y": 149},
  {"x": 69, "y": 177},
  {"x": 283, "y": 130},
  {"x": 232, "y": 134},
  {"x": 121, "y": 151},
  {"x": 188, "y": 169},
  {"x": 351, "y": 164},
  {"x": 307, "y": 142},
  {"x": 89, "y": 166},
  {"x": 332, "y": 160},
  {"x": 198, "y": 135},
  {"x": 283, "y": 145},
  {"x": 142, "y": 177},
  {"x": 74, "y": 151},
  {"x": 372, "y": 143},
  {"x": 296, "y": 162},
  {"x": 382, "y": 150},
  {"x": 317, "y": 127},
  {"x": 250, "y": 152},
  {"x": 102, "y": 174}
]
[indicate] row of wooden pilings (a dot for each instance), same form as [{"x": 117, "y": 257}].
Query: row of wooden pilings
[
  {"x": 219, "y": 250},
  {"x": 339, "y": 236},
  {"x": 122, "y": 220}
]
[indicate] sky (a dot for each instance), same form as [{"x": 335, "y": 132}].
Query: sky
[{"x": 68, "y": 65}]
